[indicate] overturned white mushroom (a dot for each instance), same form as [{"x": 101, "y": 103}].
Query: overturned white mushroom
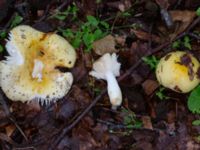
[
  {"x": 178, "y": 71},
  {"x": 30, "y": 71},
  {"x": 107, "y": 68}
]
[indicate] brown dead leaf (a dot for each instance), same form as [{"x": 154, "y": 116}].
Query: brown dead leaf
[
  {"x": 146, "y": 36},
  {"x": 2, "y": 113},
  {"x": 146, "y": 120},
  {"x": 149, "y": 86},
  {"x": 79, "y": 72},
  {"x": 85, "y": 138},
  {"x": 122, "y": 5},
  {"x": 10, "y": 129},
  {"x": 65, "y": 110},
  {"x": 81, "y": 96},
  {"x": 191, "y": 145},
  {"x": 184, "y": 18},
  {"x": 105, "y": 45},
  {"x": 120, "y": 40},
  {"x": 125, "y": 5},
  {"x": 171, "y": 117}
]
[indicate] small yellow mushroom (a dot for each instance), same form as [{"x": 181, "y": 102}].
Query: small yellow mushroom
[
  {"x": 178, "y": 71},
  {"x": 30, "y": 71}
]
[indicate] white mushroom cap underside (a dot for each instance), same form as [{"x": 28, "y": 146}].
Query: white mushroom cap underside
[{"x": 107, "y": 63}]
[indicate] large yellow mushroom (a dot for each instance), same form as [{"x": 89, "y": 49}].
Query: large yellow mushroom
[
  {"x": 178, "y": 71},
  {"x": 30, "y": 71}
]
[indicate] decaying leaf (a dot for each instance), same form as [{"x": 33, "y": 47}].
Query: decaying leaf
[
  {"x": 146, "y": 120},
  {"x": 150, "y": 86},
  {"x": 105, "y": 45},
  {"x": 183, "y": 20},
  {"x": 146, "y": 36}
]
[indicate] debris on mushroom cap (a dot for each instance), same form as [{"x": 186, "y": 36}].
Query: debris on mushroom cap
[
  {"x": 107, "y": 68},
  {"x": 29, "y": 72},
  {"x": 178, "y": 71}
]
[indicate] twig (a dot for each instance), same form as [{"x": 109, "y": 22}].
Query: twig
[
  {"x": 18, "y": 127},
  {"x": 4, "y": 137},
  {"x": 177, "y": 4},
  {"x": 47, "y": 15},
  {"x": 11, "y": 118},
  {"x": 194, "y": 23},
  {"x": 122, "y": 126},
  {"x": 65, "y": 3},
  {"x": 194, "y": 36}
]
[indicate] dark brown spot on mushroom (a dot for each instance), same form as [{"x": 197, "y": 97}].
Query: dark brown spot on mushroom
[
  {"x": 191, "y": 72},
  {"x": 44, "y": 36},
  {"x": 161, "y": 68},
  {"x": 198, "y": 73},
  {"x": 186, "y": 59},
  {"x": 167, "y": 57},
  {"x": 177, "y": 89},
  {"x": 22, "y": 30},
  {"x": 69, "y": 62},
  {"x": 40, "y": 53},
  {"x": 23, "y": 36}
]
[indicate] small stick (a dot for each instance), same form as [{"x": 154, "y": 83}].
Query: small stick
[{"x": 8, "y": 114}]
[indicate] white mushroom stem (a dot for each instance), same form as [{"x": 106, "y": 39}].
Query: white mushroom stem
[
  {"x": 114, "y": 91},
  {"x": 107, "y": 68},
  {"x": 37, "y": 70}
]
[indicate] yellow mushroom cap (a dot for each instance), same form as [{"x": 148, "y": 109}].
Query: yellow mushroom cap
[
  {"x": 178, "y": 71},
  {"x": 29, "y": 72}
]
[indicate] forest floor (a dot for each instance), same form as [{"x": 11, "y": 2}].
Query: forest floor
[{"x": 151, "y": 117}]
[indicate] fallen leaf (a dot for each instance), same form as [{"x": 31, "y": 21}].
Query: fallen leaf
[
  {"x": 85, "y": 138},
  {"x": 135, "y": 98},
  {"x": 191, "y": 145},
  {"x": 10, "y": 129},
  {"x": 149, "y": 86},
  {"x": 171, "y": 117},
  {"x": 65, "y": 110},
  {"x": 105, "y": 45},
  {"x": 146, "y": 36},
  {"x": 43, "y": 26},
  {"x": 81, "y": 97},
  {"x": 183, "y": 19},
  {"x": 2, "y": 113},
  {"x": 146, "y": 120},
  {"x": 123, "y": 5},
  {"x": 120, "y": 40}
]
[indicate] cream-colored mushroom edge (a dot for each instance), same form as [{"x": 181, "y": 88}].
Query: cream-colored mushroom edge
[{"x": 30, "y": 69}]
